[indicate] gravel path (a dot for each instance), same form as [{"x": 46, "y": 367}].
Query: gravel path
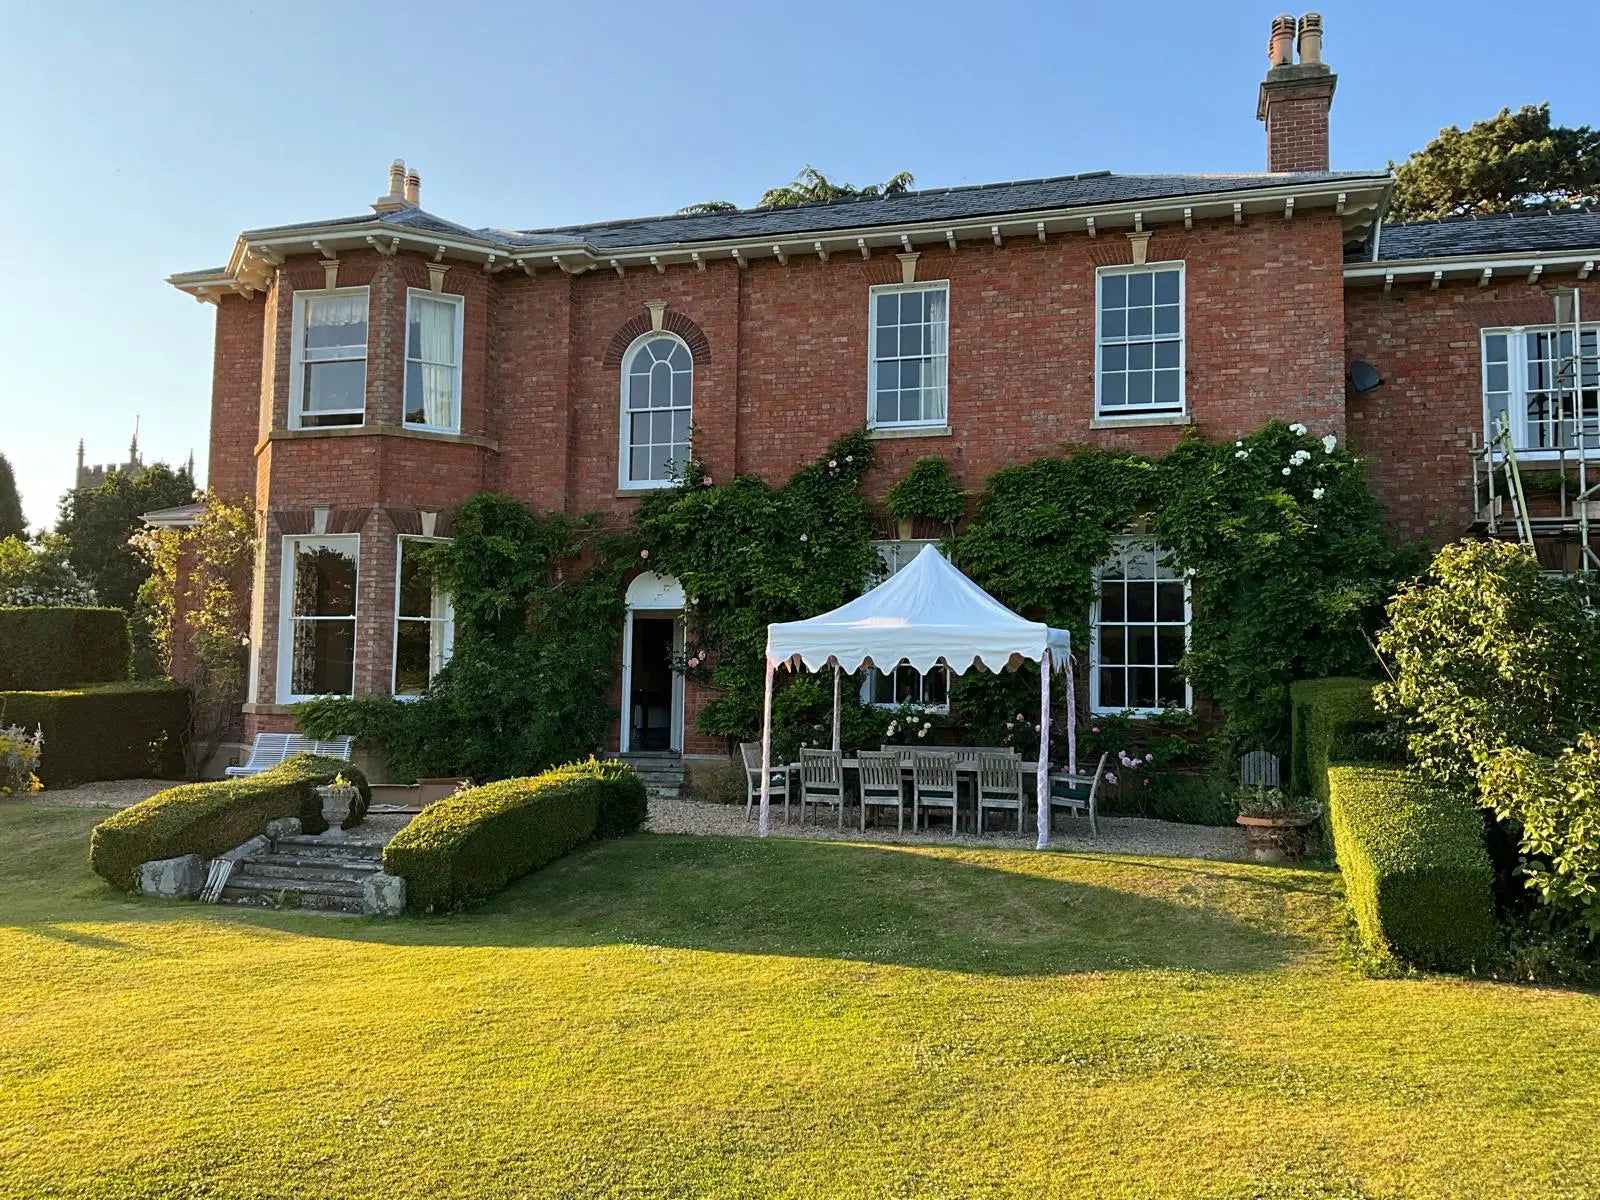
[
  {"x": 107, "y": 793},
  {"x": 1118, "y": 835}
]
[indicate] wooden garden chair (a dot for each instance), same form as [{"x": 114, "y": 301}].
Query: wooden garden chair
[
  {"x": 881, "y": 785},
  {"x": 1000, "y": 786},
  {"x": 933, "y": 785},
  {"x": 821, "y": 781},
  {"x": 751, "y": 753}
]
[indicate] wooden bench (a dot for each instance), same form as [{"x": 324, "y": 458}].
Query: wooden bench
[
  {"x": 270, "y": 749},
  {"x": 1080, "y": 792}
]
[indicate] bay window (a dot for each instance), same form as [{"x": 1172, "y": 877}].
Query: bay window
[
  {"x": 424, "y": 620},
  {"x": 1138, "y": 632},
  {"x": 1547, "y": 392},
  {"x": 433, "y": 361},
  {"x": 328, "y": 359},
  {"x": 908, "y": 355},
  {"x": 317, "y": 640}
]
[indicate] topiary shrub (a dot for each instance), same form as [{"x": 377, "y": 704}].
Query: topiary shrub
[
  {"x": 927, "y": 491},
  {"x": 473, "y": 844},
  {"x": 105, "y": 731},
  {"x": 1322, "y": 710},
  {"x": 45, "y": 648},
  {"x": 208, "y": 818},
  {"x": 1415, "y": 869}
]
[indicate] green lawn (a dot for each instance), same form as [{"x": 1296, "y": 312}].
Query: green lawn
[{"x": 681, "y": 1017}]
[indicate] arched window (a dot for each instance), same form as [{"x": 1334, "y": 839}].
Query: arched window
[{"x": 657, "y": 403}]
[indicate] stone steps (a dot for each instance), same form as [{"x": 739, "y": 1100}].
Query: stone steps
[
  {"x": 661, "y": 774},
  {"x": 321, "y": 895},
  {"x": 307, "y": 872}
]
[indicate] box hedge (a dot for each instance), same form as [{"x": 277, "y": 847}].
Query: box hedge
[
  {"x": 471, "y": 845},
  {"x": 1415, "y": 869},
  {"x": 208, "y": 818},
  {"x": 45, "y": 648},
  {"x": 129, "y": 730},
  {"x": 1321, "y": 710}
]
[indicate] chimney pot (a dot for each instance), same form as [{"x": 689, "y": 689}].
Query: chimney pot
[
  {"x": 1311, "y": 39},
  {"x": 394, "y": 199},
  {"x": 1280, "y": 45},
  {"x": 413, "y": 192}
]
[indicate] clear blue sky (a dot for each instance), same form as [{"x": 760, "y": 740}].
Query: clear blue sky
[{"x": 139, "y": 139}]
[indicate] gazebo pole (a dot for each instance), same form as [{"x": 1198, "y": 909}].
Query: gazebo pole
[
  {"x": 836, "y": 706},
  {"x": 1044, "y": 751},
  {"x": 766, "y": 753}
]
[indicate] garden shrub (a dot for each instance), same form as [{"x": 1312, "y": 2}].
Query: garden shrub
[
  {"x": 1323, "y": 710},
  {"x": 19, "y": 760},
  {"x": 132, "y": 730},
  {"x": 44, "y": 648},
  {"x": 473, "y": 844},
  {"x": 1415, "y": 869},
  {"x": 927, "y": 490},
  {"x": 208, "y": 818}
]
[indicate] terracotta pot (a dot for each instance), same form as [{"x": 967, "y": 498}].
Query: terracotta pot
[
  {"x": 1279, "y": 839},
  {"x": 903, "y": 527},
  {"x": 336, "y": 805}
]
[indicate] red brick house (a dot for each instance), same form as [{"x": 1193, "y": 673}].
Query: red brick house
[{"x": 371, "y": 372}]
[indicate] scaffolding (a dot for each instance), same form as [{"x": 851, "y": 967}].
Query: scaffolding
[{"x": 1558, "y": 459}]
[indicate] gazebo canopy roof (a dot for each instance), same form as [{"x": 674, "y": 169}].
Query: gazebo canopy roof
[{"x": 927, "y": 611}]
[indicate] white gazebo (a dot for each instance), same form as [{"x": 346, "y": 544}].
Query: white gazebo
[{"x": 926, "y": 612}]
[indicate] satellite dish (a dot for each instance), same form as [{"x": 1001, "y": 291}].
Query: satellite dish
[{"x": 1364, "y": 376}]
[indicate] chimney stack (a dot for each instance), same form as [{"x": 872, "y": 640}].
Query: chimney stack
[
  {"x": 395, "y": 200},
  {"x": 1295, "y": 96},
  {"x": 413, "y": 189}
]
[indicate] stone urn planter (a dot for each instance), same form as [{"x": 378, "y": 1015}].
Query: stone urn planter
[
  {"x": 1281, "y": 837},
  {"x": 337, "y": 801}
]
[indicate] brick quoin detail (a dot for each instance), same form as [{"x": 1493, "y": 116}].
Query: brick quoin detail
[{"x": 672, "y": 322}]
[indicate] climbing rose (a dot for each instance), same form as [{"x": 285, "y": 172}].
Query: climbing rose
[
  {"x": 805, "y": 537},
  {"x": 1318, "y": 493},
  {"x": 1111, "y": 777},
  {"x": 1298, "y": 429},
  {"x": 1241, "y": 454},
  {"x": 1328, "y": 443},
  {"x": 644, "y": 554},
  {"x": 1286, "y": 471},
  {"x": 833, "y": 462}
]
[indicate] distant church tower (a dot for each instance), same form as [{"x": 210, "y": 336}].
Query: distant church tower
[{"x": 93, "y": 477}]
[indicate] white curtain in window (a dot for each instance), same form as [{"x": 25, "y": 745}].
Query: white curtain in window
[
  {"x": 438, "y": 354},
  {"x": 325, "y": 311},
  {"x": 938, "y": 340}
]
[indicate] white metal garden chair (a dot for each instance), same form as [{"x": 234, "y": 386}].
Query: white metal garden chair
[
  {"x": 933, "y": 785},
  {"x": 751, "y": 753},
  {"x": 1078, "y": 793},
  {"x": 881, "y": 785},
  {"x": 1000, "y": 786},
  {"x": 821, "y": 781}
]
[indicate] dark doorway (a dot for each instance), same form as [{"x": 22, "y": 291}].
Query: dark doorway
[{"x": 651, "y": 684}]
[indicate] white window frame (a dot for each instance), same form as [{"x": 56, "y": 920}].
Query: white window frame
[
  {"x": 932, "y": 285},
  {"x": 297, "y": 362},
  {"x": 459, "y": 303},
  {"x": 1120, "y": 549},
  {"x": 624, "y": 445},
  {"x": 896, "y": 555},
  {"x": 286, "y": 618},
  {"x": 448, "y": 621},
  {"x": 1517, "y": 383},
  {"x": 1100, "y": 342}
]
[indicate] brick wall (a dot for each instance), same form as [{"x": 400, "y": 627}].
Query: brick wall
[
  {"x": 1416, "y": 430},
  {"x": 780, "y": 368}
]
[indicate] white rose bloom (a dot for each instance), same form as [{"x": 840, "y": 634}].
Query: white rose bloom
[
  {"x": 1298, "y": 429},
  {"x": 1286, "y": 471},
  {"x": 1328, "y": 443},
  {"x": 1317, "y": 493}
]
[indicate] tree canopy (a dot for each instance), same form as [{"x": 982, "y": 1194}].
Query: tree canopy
[
  {"x": 1512, "y": 161},
  {"x": 811, "y": 186},
  {"x": 97, "y": 523},
  {"x": 12, "y": 523}
]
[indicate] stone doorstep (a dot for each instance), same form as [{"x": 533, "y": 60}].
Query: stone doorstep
[
  {"x": 254, "y": 893},
  {"x": 290, "y": 866}
]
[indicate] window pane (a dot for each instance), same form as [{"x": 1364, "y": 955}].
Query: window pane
[
  {"x": 1141, "y": 687},
  {"x": 1169, "y": 601},
  {"x": 1170, "y": 692},
  {"x": 1166, "y": 354},
  {"x": 1141, "y": 357},
  {"x": 910, "y": 308},
  {"x": 1166, "y": 287},
  {"x": 1167, "y": 320},
  {"x": 1166, "y": 389},
  {"x": 1111, "y": 601},
  {"x": 888, "y": 309},
  {"x": 416, "y": 582},
  {"x": 335, "y": 385},
  {"x": 1113, "y": 391},
  {"x": 1114, "y": 358},
  {"x": 1139, "y": 322},
  {"x": 680, "y": 359},
  {"x": 1114, "y": 291},
  {"x": 936, "y": 686},
  {"x": 1142, "y": 644},
  {"x": 660, "y": 457},
  {"x": 1169, "y": 645},
  {"x": 335, "y": 321},
  {"x": 324, "y": 582},
  {"x": 1140, "y": 291},
  {"x": 1495, "y": 347},
  {"x": 680, "y": 426},
  {"x": 1139, "y": 388},
  {"x": 639, "y": 429},
  {"x": 1113, "y": 688},
  {"x": 639, "y": 464},
  {"x": 888, "y": 407},
  {"x": 660, "y": 386},
  {"x": 911, "y": 340},
  {"x": 888, "y": 343},
  {"x": 1113, "y": 323},
  {"x": 323, "y": 662},
  {"x": 413, "y": 657},
  {"x": 1141, "y": 602},
  {"x": 1114, "y": 644},
  {"x": 415, "y": 412}
]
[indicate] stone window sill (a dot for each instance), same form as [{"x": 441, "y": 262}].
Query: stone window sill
[
  {"x": 399, "y": 431},
  {"x": 1141, "y": 422},
  {"x": 888, "y": 432}
]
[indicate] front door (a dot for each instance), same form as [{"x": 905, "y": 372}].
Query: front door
[{"x": 652, "y": 683}]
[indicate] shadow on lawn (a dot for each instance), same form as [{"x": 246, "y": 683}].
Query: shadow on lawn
[{"x": 789, "y": 897}]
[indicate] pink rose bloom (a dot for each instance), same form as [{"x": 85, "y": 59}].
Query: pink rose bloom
[
  {"x": 1111, "y": 777},
  {"x": 1094, "y": 729},
  {"x": 644, "y": 554},
  {"x": 1020, "y": 717},
  {"x": 1149, "y": 758}
]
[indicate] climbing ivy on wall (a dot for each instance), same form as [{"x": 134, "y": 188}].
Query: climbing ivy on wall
[
  {"x": 539, "y": 608},
  {"x": 748, "y": 554}
]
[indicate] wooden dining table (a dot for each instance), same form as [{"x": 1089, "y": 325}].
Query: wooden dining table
[{"x": 966, "y": 770}]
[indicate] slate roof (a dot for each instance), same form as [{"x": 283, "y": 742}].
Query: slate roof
[
  {"x": 942, "y": 204},
  {"x": 1503, "y": 233}
]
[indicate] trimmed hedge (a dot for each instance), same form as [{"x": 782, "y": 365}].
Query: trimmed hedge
[
  {"x": 1415, "y": 869},
  {"x": 1321, "y": 708},
  {"x": 106, "y": 730},
  {"x": 46, "y": 648},
  {"x": 477, "y": 841},
  {"x": 208, "y": 818}
]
